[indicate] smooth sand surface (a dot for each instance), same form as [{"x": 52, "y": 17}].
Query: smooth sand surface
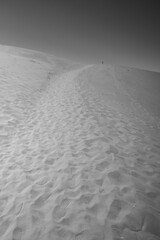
[{"x": 79, "y": 155}]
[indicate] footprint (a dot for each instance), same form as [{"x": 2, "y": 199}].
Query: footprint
[
  {"x": 65, "y": 203},
  {"x": 115, "y": 209},
  {"x": 52, "y": 234},
  {"x": 115, "y": 177},
  {"x": 112, "y": 149},
  {"x": 156, "y": 145},
  {"x": 34, "y": 193},
  {"x": 144, "y": 235},
  {"x": 89, "y": 142},
  {"x": 63, "y": 233},
  {"x": 58, "y": 213},
  {"x": 152, "y": 224},
  {"x": 99, "y": 181},
  {"x": 42, "y": 180},
  {"x": 141, "y": 196},
  {"x": 49, "y": 161},
  {"x": 135, "y": 174},
  {"x": 88, "y": 187},
  {"x": 117, "y": 232},
  {"x": 134, "y": 221},
  {"x": 102, "y": 166},
  {"x": 23, "y": 186},
  {"x": 85, "y": 198},
  {"x": 37, "y": 217},
  {"x": 17, "y": 233},
  {"x": 68, "y": 220},
  {"x": 155, "y": 150},
  {"x": 19, "y": 208},
  {"x": 152, "y": 194},
  {"x": 140, "y": 161},
  {"x": 131, "y": 235},
  {"x": 4, "y": 226},
  {"x": 93, "y": 233},
  {"x": 126, "y": 190},
  {"x": 72, "y": 194},
  {"x": 40, "y": 201}
]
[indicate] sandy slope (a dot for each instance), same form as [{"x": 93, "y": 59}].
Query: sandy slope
[{"x": 75, "y": 162}]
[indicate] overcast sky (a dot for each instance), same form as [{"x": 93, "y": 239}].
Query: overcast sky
[{"x": 121, "y": 31}]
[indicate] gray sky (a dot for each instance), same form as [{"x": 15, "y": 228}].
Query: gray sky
[{"x": 122, "y": 32}]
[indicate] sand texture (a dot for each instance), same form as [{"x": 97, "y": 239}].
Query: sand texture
[{"x": 79, "y": 159}]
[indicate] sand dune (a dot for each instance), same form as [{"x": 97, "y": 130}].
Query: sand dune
[{"x": 80, "y": 151}]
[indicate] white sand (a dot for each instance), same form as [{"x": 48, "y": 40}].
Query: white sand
[{"x": 73, "y": 164}]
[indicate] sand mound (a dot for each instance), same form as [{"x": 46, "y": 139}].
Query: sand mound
[{"x": 73, "y": 166}]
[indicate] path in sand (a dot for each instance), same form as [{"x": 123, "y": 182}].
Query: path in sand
[{"x": 74, "y": 168}]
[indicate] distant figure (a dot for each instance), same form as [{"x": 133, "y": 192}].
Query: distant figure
[{"x": 102, "y": 61}]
